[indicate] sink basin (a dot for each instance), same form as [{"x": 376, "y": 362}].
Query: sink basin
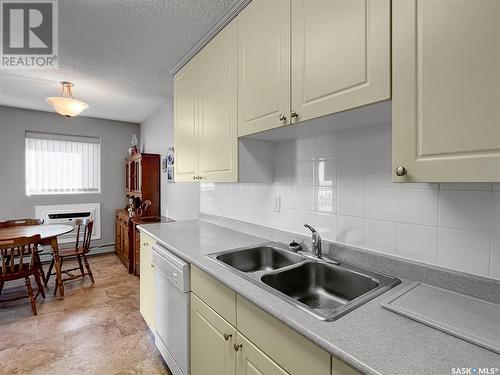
[
  {"x": 262, "y": 258},
  {"x": 328, "y": 291},
  {"x": 321, "y": 286}
]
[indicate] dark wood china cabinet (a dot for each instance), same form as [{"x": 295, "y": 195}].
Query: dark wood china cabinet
[{"x": 142, "y": 185}]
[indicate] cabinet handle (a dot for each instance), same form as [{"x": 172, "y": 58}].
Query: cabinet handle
[
  {"x": 282, "y": 117},
  {"x": 401, "y": 171},
  {"x": 227, "y": 336},
  {"x": 237, "y": 347},
  {"x": 145, "y": 244},
  {"x": 152, "y": 266},
  {"x": 294, "y": 114},
  {"x": 195, "y": 177}
]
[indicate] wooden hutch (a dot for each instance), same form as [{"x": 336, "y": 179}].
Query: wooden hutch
[{"x": 142, "y": 183}]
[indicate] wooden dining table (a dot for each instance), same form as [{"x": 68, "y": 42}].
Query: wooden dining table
[{"x": 48, "y": 234}]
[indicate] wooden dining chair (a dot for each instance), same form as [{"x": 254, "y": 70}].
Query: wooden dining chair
[
  {"x": 23, "y": 223},
  {"x": 20, "y": 223},
  {"x": 18, "y": 261},
  {"x": 80, "y": 251}
]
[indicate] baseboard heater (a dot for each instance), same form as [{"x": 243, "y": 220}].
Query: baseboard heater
[{"x": 67, "y": 214}]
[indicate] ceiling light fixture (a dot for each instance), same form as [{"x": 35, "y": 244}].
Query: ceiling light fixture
[{"x": 64, "y": 104}]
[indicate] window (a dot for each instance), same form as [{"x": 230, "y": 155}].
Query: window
[{"x": 62, "y": 164}]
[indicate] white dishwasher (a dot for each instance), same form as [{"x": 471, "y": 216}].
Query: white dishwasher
[{"x": 172, "y": 309}]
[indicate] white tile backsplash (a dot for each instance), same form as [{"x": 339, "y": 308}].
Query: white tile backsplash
[
  {"x": 326, "y": 225},
  {"x": 325, "y": 172},
  {"x": 417, "y": 242},
  {"x": 350, "y": 201},
  {"x": 464, "y": 251},
  {"x": 304, "y": 198},
  {"x": 341, "y": 183},
  {"x": 465, "y": 210},
  {"x": 418, "y": 206},
  {"x": 381, "y": 204},
  {"x": 380, "y": 235},
  {"x": 495, "y": 258},
  {"x": 350, "y": 230},
  {"x": 325, "y": 199}
]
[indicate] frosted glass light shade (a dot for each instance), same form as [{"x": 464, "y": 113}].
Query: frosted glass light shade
[{"x": 67, "y": 107}]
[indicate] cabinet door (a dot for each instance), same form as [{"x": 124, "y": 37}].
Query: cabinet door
[
  {"x": 340, "y": 55},
  {"x": 263, "y": 66},
  {"x": 125, "y": 240},
  {"x": 147, "y": 287},
  {"x": 186, "y": 97},
  {"x": 212, "y": 349},
  {"x": 250, "y": 360},
  {"x": 218, "y": 123},
  {"x": 118, "y": 235},
  {"x": 446, "y": 84}
]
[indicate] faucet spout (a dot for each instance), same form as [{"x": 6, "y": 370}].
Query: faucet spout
[{"x": 316, "y": 241}]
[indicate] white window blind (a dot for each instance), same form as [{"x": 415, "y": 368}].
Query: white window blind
[{"x": 62, "y": 164}]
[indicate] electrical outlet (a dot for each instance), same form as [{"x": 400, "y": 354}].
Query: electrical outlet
[{"x": 276, "y": 203}]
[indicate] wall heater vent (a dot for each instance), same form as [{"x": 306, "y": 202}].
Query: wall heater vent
[{"x": 67, "y": 213}]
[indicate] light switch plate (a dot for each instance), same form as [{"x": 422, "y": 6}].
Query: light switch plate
[{"x": 276, "y": 203}]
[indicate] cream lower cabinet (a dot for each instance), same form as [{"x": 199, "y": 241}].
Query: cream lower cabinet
[
  {"x": 253, "y": 343},
  {"x": 250, "y": 360},
  {"x": 212, "y": 340},
  {"x": 446, "y": 91},
  {"x": 147, "y": 282},
  {"x": 205, "y": 113},
  {"x": 218, "y": 349},
  {"x": 340, "y": 55}
]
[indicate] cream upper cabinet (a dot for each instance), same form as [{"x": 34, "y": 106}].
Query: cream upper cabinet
[
  {"x": 263, "y": 66},
  {"x": 250, "y": 360},
  {"x": 186, "y": 98},
  {"x": 446, "y": 88},
  {"x": 205, "y": 119},
  {"x": 218, "y": 121},
  {"x": 340, "y": 55},
  {"x": 212, "y": 341}
]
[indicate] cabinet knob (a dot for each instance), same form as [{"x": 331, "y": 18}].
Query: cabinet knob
[
  {"x": 282, "y": 117},
  {"x": 237, "y": 347},
  {"x": 401, "y": 171},
  {"x": 294, "y": 114},
  {"x": 227, "y": 336}
]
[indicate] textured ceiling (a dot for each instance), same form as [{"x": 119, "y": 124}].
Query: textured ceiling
[{"x": 118, "y": 53}]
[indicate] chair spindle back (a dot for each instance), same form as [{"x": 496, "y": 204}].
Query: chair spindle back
[
  {"x": 83, "y": 234},
  {"x": 14, "y": 252},
  {"x": 20, "y": 223}
]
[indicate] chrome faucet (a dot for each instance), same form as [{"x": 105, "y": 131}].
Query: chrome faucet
[{"x": 316, "y": 242}]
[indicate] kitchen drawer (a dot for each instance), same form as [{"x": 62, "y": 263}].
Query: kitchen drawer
[
  {"x": 216, "y": 295},
  {"x": 290, "y": 350},
  {"x": 146, "y": 247},
  {"x": 340, "y": 368}
]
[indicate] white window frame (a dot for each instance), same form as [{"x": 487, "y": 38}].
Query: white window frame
[{"x": 74, "y": 140}]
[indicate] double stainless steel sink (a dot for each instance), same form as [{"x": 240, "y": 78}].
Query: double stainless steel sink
[{"x": 322, "y": 287}]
